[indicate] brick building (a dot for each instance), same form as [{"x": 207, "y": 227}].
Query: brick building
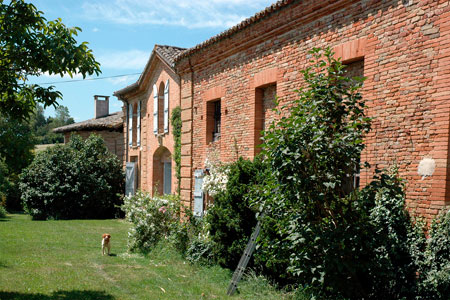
[
  {"x": 148, "y": 104},
  {"x": 225, "y": 86},
  {"x": 108, "y": 126}
]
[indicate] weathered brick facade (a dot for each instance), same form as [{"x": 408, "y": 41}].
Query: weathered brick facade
[
  {"x": 155, "y": 150},
  {"x": 404, "y": 46}
]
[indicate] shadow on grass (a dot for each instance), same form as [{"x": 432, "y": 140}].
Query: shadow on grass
[
  {"x": 4, "y": 219},
  {"x": 59, "y": 295}
]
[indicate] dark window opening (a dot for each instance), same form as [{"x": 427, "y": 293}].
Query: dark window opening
[
  {"x": 213, "y": 121},
  {"x": 217, "y": 121}
]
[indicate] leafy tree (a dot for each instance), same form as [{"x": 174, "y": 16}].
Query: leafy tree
[
  {"x": 30, "y": 46},
  {"x": 16, "y": 143},
  {"x": 312, "y": 152},
  {"x": 338, "y": 242},
  {"x": 16, "y": 152},
  {"x": 62, "y": 115},
  {"x": 43, "y": 128},
  {"x": 38, "y": 119}
]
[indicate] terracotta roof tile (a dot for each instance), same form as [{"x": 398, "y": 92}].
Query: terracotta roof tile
[
  {"x": 167, "y": 53},
  {"x": 111, "y": 122}
]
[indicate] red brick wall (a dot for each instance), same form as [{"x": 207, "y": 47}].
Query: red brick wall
[
  {"x": 405, "y": 47},
  {"x": 147, "y": 152}
]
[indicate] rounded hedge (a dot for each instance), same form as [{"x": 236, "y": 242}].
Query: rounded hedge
[{"x": 79, "y": 180}]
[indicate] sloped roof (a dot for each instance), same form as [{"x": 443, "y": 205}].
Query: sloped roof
[
  {"x": 244, "y": 24},
  {"x": 111, "y": 122},
  {"x": 166, "y": 53}
]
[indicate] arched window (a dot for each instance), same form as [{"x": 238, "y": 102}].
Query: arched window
[{"x": 162, "y": 171}]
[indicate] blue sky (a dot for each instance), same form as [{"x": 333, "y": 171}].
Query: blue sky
[{"x": 122, "y": 34}]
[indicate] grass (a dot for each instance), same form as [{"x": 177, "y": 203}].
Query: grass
[{"x": 62, "y": 260}]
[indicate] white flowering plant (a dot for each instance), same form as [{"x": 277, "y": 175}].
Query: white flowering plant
[
  {"x": 152, "y": 219},
  {"x": 216, "y": 178}
]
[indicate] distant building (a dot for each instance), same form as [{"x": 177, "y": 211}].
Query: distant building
[{"x": 108, "y": 126}]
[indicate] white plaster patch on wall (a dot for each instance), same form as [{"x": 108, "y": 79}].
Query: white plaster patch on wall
[{"x": 426, "y": 167}]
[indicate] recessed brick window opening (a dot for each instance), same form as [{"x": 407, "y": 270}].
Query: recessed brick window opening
[
  {"x": 264, "y": 103},
  {"x": 213, "y": 120},
  {"x": 354, "y": 69}
]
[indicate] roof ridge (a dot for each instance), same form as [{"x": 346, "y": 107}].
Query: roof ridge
[{"x": 176, "y": 47}]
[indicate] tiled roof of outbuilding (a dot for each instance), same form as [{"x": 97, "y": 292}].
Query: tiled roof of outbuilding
[
  {"x": 247, "y": 22},
  {"x": 111, "y": 122}
]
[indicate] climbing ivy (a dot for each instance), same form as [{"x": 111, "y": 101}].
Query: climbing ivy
[{"x": 176, "y": 131}]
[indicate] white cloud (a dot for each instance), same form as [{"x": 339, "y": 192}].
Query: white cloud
[
  {"x": 123, "y": 80},
  {"x": 185, "y": 13},
  {"x": 124, "y": 60},
  {"x": 95, "y": 29}
]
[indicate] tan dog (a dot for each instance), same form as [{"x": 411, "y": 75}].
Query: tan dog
[{"x": 106, "y": 243}]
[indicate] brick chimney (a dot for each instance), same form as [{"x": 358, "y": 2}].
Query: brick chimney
[{"x": 101, "y": 106}]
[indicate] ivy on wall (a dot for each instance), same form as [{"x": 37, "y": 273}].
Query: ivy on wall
[{"x": 176, "y": 131}]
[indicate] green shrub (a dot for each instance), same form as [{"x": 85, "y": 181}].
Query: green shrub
[
  {"x": 200, "y": 247},
  {"x": 152, "y": 219},
  {"x": 3, "y": 212},
  {"x": 231, "y": 219},
  {"x": 434, "y": 273},
  {"x": 4, "y": 182},
  {"x": 79, "y": 180},
  {"x": 396, "y": 243}
]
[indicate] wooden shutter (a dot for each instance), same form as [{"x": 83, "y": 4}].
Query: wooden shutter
[
  {"x": 130, "y": 124},
  {"x": 166, "y": 107},
  {"x": 130, "y": 179},
  {"x": 155, "y": 109},
  {"x": 138, "y": 138},
  {"x": 198, "y": 193}
]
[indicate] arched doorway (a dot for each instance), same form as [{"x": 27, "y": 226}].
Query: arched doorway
[{"x": 162, "y": 171}]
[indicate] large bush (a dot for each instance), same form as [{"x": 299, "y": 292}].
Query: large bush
[
  {"x": 79, "y": 180},
  {"x": 337, "y": 242},
  {"x": 231, "y": 219},
  {"x": 152, "y": 218},
  {"x": 434, "y": 273}
]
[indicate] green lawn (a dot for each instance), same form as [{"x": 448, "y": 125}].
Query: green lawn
[{"x": 62, "y": 260}]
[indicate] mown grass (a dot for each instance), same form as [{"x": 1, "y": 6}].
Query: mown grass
[{"x": 62, "y": 260}]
